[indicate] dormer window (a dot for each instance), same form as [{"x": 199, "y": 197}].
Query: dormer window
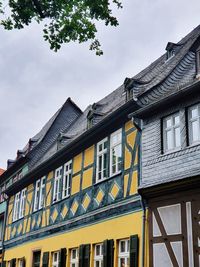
[
  {"x": 198, "y": 63},
  {"x": 171, "y": 48},
  {"x": 170, "y": 54}
]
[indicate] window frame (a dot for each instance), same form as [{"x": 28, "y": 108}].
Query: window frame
[
  {"x": 39, "y": 197},
  {"x": 22, "y": 205},
  {"x": 57, "y": 192},
  {"x": 124, "y": 255},
  {"x": 112, "y": 146},
  {"x": 74, "y": 260},
  {"x": 55, "y": 263},
  {"x": 102, "y": 153},
  {"x": 190, "y": 121},
  {"x": 16, "y": 207},
  {"x": 171, "y": 129},
  {"x": 98, "y": 258},
  {"x": 67, "y": 176}
]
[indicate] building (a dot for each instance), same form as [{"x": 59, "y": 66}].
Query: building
[
  {"x": 72, "y": 191},
  {"x": 168, "y": 93},
  {"x": 2, "y": 216}
]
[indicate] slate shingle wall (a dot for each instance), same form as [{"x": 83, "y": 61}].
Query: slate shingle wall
[{"x": 158, "y": 167}]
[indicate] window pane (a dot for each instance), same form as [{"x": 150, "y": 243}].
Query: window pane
[
  {"x": 195, "y": 130},
  {"x": 194, "y": 112},
  {"x": 176, "y": 120},
  {"x": 122, "y": 262},
  {"x": 168, "y": 122},
  {"x": 169, "y": 136},
  {"x": 177, "y": 137},
  {"x": 122, "y": 246}
]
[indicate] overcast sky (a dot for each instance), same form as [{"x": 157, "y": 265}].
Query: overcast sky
[{"x": 35, "y": 82}]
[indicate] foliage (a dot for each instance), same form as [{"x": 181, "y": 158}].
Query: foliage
[{"x": 64, "y": 20}]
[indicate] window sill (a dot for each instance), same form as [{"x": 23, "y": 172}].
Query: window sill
[
  {"x": 58, "y": 201},
  {"x": 108, "y": 178}
]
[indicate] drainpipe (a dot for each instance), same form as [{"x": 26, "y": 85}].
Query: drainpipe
[{"x": 138, "y": 123}]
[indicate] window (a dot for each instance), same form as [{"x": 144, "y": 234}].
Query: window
[
  {"x": 57, "y": 184},
  {"x": 67, "y": 179},
  {"x": 102, "y": 160},
  {"x": 22, "y": 262},
  {"x": 115, "y": 152},
  {"x": 74, "y": 258},
  {"x": 55, "y": 259},
  {"x": 19, "y": 205},
  {"x": 123, "y": 253},
  {"x": 36, "y": 258},
  {"x": 39, "y": 194},
  {"x": 22, "y": 203},
  {"x": 194, "y": 124},
  {"x": 170, "y": 53},
  {"x": 16, "y": 207},
  {"x": 98, "y": 255},
  {"x": 1, "y": 227},
  {"x": 171, "y": 132}
]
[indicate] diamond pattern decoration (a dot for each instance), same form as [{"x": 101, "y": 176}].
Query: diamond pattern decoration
[
  {"x": 74, "y": 207},
  {"x": 19, "y": 229},
  {"x": 54, "y": 215},
  {"x": 99, "y": 196},
  {"x": 114, "y": 191},
  {"x": 86, "y": 202},
  {"x": 64, "y": 211}
]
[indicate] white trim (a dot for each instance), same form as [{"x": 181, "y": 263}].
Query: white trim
[
  {"x": 16, "y": 207},
  {"x": 172, "y": 130},
  {"x": 67, "y": 175},
  {"x": 39, "y": 194},
  {"x": 124, "y": 254},
  {"x": 55, "y": 258},
  {"x": 192, "y": 120},
  {"x": 98, "y": 258},
  {"x": 113, "y": 145},
  {"x": 102, "y": 154},
  {"x": 57, "y": 185},
  {"x": 74, "y": 260},
  {"x": 22, "y": 203}
]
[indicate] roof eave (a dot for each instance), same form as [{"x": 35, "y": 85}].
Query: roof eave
[
  {"x": 147, "y": 111},
  {"x": 80, "y": 143}
]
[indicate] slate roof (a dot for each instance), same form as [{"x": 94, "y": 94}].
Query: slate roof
[
  {"x": 163, "y": 76},
  {"x": 156, "y": 81}
]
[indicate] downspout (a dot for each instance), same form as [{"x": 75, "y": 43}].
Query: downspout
[
  {"x": 138, "y": 123},
  {"x": 4, "y": 228}
]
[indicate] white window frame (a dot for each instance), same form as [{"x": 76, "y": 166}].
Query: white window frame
[
  {"x": 67, "y": 175},
  {"x": 125, "y": 254},
  {"x": 22, "y": 203},
  {"x": 98, "y": 258},
  {"x": 55, "y": 262},
  {"x": 57, "y": 185},
  {"x": 113, "y": 146},
  {"x": 39, "y": 193},
  {"x": 16, "y": 207},
  {"x": 174, "y": 126},
  {"x": 101, "y": 154},
  {"x": 20, "y": 263},
  {"x": 191, "y": 120},
  {"x": 74, "y": 261}
]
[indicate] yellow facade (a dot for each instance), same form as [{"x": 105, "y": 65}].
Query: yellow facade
[
  {"x": 116, "y": 228},
  {"x": 105, "y": 196}
]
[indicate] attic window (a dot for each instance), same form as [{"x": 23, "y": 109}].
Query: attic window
[
  {"x": 90, "y": 122},
  {"x": 198, "y": 63},
  {"x": 170, "y": 54}
]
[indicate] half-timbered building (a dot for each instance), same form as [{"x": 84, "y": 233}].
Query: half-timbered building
[
  {"x": 168, "y": 93},
  {"x": 72, "y": 190}
]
